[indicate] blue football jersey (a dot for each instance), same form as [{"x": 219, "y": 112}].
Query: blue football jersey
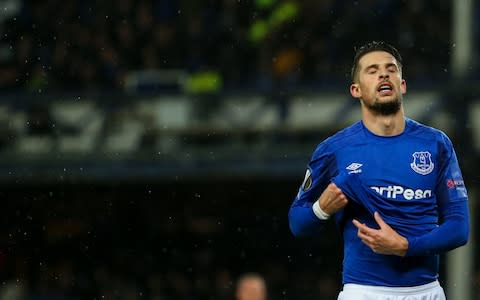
[{"x": 413, "y": 180}]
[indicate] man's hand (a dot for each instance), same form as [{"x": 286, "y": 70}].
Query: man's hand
[
  {"x": 384, "y": 240},
  {"x": 332, "y": 199}
]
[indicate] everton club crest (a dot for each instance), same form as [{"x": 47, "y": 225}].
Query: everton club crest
[{"x": 422, "y": 162}]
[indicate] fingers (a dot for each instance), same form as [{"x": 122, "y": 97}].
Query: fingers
[
  {"x": 361, "y": 227},
  {"x": 335, "y": 189},
  {"x": 332, "y": 199},
  {"x": 383, "y": 240},
  {"x": 379, "y": 220},
  {"x": 357, "y": 224},
  {"x": 337, "y": 193},
  {"x": 364, "y": 232}
]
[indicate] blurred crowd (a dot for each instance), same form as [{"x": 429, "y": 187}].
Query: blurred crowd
[
  {"x": 167, "y": 241},
  {"x": 127, "y": 242},
  {"x": 90, "y": 45},
  {"x": 161, "y": 241}
]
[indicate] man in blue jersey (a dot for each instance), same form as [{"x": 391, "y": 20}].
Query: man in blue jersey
[{"x": 393, "y": 186}]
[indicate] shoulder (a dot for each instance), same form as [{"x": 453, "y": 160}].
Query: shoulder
[
  {"x": 430, "y": 135},
  {"x": 421, "y": 130},
  {"x": 340, "y": 139}
]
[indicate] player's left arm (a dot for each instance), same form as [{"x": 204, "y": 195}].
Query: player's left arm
[
  {"x": 454, "y": 221},
  {"x": 450, "y": 234},
  {"x": 452, "y": 202}
]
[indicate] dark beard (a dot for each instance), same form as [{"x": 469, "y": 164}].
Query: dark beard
[{"x": 385, "y": 108}]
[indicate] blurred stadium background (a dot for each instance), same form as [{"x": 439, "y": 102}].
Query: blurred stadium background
[{"x": 151, "y": 149}]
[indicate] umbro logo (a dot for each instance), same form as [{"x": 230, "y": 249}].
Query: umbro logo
[{"x": 354, "y": 168}]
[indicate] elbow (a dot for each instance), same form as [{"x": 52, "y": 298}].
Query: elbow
[
  {"x": 462, "y": 236},
  {"x": 300, "y": 226},
  {"x": 463, "y": 239},
  {"x": 462, "y": 225},
  {"x": 303, "y": 222},
  {"x": 296, "y": 230},
  {"x": 297, "y": 227}
]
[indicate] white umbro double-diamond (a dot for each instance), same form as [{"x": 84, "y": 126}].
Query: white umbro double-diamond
[{"x": 354, "y": 168}]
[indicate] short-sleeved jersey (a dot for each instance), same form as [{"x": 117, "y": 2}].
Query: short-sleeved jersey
[{"x": 411, "y": 179}]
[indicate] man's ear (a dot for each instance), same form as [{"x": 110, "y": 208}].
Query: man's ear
[
  {"x": 403, "y": 86},
  {"x": 355, "y": 90}
]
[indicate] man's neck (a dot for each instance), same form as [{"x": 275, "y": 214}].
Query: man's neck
[{"x": 381, "y": 125}]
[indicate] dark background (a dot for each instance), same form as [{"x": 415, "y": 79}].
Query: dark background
[{"x": 187, "y": 209}]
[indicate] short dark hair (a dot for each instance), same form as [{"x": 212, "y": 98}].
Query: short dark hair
[{"x": 371, "y": 47}]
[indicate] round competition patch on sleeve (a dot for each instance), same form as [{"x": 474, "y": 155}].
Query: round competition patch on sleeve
[{"x": 307, "y": 181}]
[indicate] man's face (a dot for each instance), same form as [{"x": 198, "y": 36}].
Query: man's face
[
  {"x": 252, "y": 289},
  {"x": 379, "y": 83}
]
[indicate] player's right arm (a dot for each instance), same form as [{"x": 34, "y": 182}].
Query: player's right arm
[{"x": 317, "y": 198}]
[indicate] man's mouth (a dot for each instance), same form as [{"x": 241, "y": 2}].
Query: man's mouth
[{"x": 385, "y": 89}]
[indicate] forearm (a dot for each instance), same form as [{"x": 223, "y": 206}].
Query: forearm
[
  {"x": 452, "y": 233},
  {"x": 303, "y": 221}
]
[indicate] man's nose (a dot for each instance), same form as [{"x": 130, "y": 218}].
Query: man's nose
[{"x": 383, "y": 74}]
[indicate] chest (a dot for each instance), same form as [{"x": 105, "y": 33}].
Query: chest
[{"x": 411, "y": 165}]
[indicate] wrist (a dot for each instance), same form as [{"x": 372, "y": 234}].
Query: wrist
[
  {"x": 318, "y": 211},
  {"x": 403, "y": 248}
]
